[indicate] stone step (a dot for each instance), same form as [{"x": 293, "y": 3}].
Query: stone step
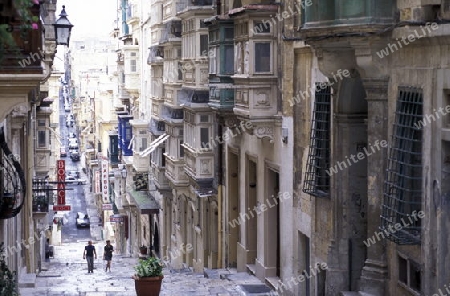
[{"x": 26, "y": 280}]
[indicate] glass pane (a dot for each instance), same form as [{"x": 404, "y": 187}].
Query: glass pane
[
  {"x": 228, "y": 60},
  {"x": 262, "y": 57},
  {"x": 41, "y": 139},
  {"x": 204, "y": 136},
  {"x": 204, "y": 45}
]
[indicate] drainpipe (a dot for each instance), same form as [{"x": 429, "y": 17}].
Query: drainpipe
[{"x": 219, "y": 199}]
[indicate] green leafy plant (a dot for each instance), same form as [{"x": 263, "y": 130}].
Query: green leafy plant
[
  {"x": 27, "y": 21},
  {"x": 150, "y": 267},
  {"x": 7, "y": 277}
]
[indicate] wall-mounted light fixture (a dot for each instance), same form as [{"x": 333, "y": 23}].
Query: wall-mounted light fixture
[{"x": 284, "y": 134}]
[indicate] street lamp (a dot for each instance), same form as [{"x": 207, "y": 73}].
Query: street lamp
[{"x": 62, "y": 28}]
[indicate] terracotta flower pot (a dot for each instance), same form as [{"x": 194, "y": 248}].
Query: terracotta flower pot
[
  {"x": 148, "y": 286},
  {"x": 143, "y": 250}
]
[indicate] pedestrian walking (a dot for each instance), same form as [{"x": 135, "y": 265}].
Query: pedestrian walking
[
  {"x": 89, "y": 254},
  {"x": 107, "y": 255}
]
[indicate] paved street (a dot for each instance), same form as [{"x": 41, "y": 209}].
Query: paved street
[{"x": 66, "y": 274}]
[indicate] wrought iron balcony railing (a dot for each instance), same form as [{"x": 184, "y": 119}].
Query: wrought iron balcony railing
[{"x": 12, "y": 182}]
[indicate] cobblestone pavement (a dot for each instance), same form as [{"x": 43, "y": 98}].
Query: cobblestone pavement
[{"x": 66, "y": 274}]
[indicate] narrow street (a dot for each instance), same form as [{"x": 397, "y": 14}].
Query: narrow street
[{"x": 66, "y": 273}]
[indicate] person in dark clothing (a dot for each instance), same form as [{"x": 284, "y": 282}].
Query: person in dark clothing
[
  {"x": 107, "y": 255},
  {"x": 89, "y": 254}
]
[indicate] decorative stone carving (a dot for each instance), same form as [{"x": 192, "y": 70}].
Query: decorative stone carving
[
  {"x": 245, "y": 97},
  {"x": 246, "y": 58},
  {"x": 231, "y": 121},
  {"x": 261, "y": 98},
  {"x": 265, "y": 131},
  {"x": 205, "y": 166},
  {"x": 238, "y": 57}
]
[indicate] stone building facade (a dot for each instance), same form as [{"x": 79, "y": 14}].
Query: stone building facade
[{"x": 370, "y": 161}]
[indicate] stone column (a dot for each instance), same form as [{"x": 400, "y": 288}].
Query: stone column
[{"x": 374, "y": 273}]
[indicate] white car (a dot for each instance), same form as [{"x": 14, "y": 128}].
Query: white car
[
  {"x": 73, "y": 145},
  {"x": 73, "y": 180}
]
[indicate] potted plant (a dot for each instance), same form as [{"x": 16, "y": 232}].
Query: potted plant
[
  {"x": 148, "y": 277},
  {"x": 143, "y": 250}
]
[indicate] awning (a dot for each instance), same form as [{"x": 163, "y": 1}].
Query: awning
[
  {"x": 145, "y": 202},
  {"x": 205, "y": 192},
  {"x": 154, "y": 145}
]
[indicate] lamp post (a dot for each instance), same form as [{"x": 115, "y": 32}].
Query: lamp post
[{"x": 63, "y": 27}]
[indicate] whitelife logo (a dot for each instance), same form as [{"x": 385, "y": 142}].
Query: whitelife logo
[
  {"x": 411, "y": 38},
  {"x": 392, "y": 229}
]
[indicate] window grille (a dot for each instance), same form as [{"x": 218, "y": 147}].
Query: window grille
[
  {"x": 403, "y": 183},
  {"x": 317, "y": 181}
]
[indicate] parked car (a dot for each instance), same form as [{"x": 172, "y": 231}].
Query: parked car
[
  {"x": 73, "y": 180},
  {"x": 62, "y": 151},
  {"x": 75, "y": 174},
  {"x": 73, "y": 145},
  {"x": 75, "y": 156},
  {"x": 83, "y": 220},
  {"x": 72, "y": 140},
  {"x": 72, "y": 136},
  {"x": 67, "y": 108}
]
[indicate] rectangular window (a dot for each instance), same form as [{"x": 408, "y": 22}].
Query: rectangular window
[
  {"x": 41, "y": 122},
  {"x": 163, "y": 158},
  {"x": 228, "y": 59},
  {"x": 181, "y": 149},
  {"x": 317, "y": 177},
  {"x": 127, "y": 134},
  {"x": 133, "y": 62},
  {"x": 409, "y": 273},
  {"x": 204, "y": 136},
  {"x": 261, "y": 27},
  {"x": 133, "y": 65},
  {"x": 229, "y": 33},
  {"x": 42, "y": 143},
  {"x": 204, "y": 45},
  {"x": 262, "y": 57},
  {"x": 403, "y": 183},
  {"x": 204, "y": 118},
  {"x": 402, "y": 270},
  {"x": 143, "y": 144}
]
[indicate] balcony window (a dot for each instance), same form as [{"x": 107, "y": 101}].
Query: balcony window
[
  {"x": 317, "y": 178},
  {"x": 227, "y": 60},
  {"x": 403, "y": 184},
  {"x": 261, "y": 27},
  {"x": 133, "y": 67},
  {"x": 42, "y": 142},
  {"x": 181, "y": 149},
  {"x": 204, "y": 45},
  {"x": 262, "y": 57},
  {"x": 163, "y": 158},
  {"x": 204, "y": 136},
  {"x": 143, "y": 145}
]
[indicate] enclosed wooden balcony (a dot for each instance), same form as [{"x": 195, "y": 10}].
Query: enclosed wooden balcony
[{"x": 342, "y": 14}]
